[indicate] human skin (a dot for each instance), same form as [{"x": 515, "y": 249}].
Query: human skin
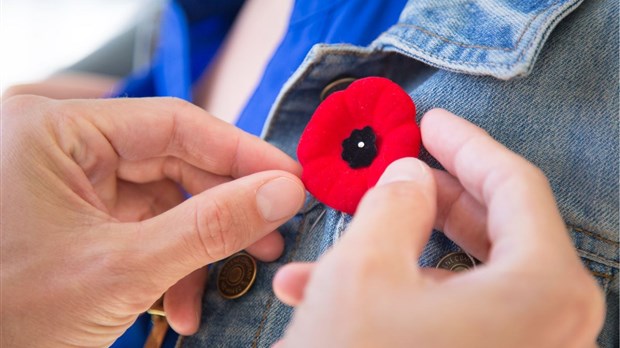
[
  {"x": 95, "y": 228},
  {"x": 67, "y": 86},
  {"x": 368, "y": 291}
]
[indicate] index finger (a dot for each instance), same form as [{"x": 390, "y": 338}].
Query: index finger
[
  {"x": 522, "y": 214},
  {"x": 141, "y": 128}
]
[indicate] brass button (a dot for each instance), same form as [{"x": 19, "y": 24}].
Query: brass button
[
  {"x": 236, "y": 276},
  {"x": 336, "y": 86},
  {"x": 457, "y": 262},
  {"x": 157, "y": 308}
]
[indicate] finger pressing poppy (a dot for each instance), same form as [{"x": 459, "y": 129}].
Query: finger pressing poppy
[{"x": 352, "y": 137}]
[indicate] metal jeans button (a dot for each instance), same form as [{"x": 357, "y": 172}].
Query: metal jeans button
[
  {"x": 457, "y": 262},
  {"x": 236, "y": 276},
  {"x": 335, "y": 86}
]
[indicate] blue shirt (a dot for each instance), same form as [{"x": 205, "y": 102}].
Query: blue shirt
[
  {"x": 191, "y": 32},
  {"x": 188, "y": 44}
]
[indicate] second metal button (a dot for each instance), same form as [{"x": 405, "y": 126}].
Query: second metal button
[{"x": 236, "y": 276}]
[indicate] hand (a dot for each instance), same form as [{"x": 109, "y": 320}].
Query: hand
[
  {"x": 368, "y": 291},
  {"x": 95, "y": 228}
]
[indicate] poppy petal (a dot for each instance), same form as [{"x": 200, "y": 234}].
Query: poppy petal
[{"x": 373, "y": 108}]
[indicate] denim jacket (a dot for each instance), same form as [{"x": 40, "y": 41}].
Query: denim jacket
[{"x": 541, "y": 76}]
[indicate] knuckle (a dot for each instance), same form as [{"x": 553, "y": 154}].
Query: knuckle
[
  {"x": 173, "y": 169},
  {"x": 179, "y": 112},
  {"x": 532, "y": 173},
  {"x": 63, "y": 117},
  {"x": 532, "y": 179},
  {"x": 180, "y": 107},
  {"x": 520, "y": 176},
  {"x": 176, "y": 103},
  {"x": 214, "y": 226}
]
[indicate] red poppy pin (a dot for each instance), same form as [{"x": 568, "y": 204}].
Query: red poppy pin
[{"x": 351, "y": 139}]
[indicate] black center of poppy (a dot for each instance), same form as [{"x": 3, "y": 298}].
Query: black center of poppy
[{"x": 359, "y": 149}]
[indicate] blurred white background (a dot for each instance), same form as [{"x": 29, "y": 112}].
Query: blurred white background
[{"x": 38, "y": 37}]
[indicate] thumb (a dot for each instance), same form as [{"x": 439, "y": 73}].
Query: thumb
[
  {"x": 396, "y": 216},
  {"x": 218, "y": 222},
  {"x": 391, "y": 224}
]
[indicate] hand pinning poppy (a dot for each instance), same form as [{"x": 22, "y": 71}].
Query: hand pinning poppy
[{"x": 351, "y": 139}]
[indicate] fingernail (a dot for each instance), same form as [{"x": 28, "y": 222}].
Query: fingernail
[
  {"x": 279, "y": 198},
  {"x": 404, "y": 169}
]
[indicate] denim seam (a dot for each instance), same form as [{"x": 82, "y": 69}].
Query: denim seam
[
  {"x": 292, "y": 254},
  {"x": 605, "y": 278},
  {"x": 545, "y": 34},
  {"x": 464, "y": 45},
  {"x": 602, "y": 275},
  {"x": 597, "y": 258},
  {"x": 607, "y": 275},
  {"x": 551, "y": 25},
  {"x": 594, "y": 235},
  {"x": 258, "y": 333},
  {"x": 423, "y": 59},
  {"x": 397, "y": 39}
]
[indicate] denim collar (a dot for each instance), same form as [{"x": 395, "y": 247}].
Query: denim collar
[{"x": 481, "y": 37}]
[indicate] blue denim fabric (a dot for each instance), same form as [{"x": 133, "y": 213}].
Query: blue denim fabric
[
  {"x": 549, "y": 96},
  {"x": 499, "y": 38}
]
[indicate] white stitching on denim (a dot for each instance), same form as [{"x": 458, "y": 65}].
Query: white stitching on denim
[{"x": 397, "y": 42}]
